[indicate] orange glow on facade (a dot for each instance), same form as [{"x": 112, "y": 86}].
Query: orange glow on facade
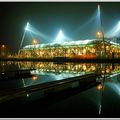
[
  {"x": 90, "y": 56},
  {"x": 86, "y": 51}
]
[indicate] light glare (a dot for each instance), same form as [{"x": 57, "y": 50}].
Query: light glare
[
  {"x": 60, "y": 37},
  {"x": 115, "y": 31},
  {"x": 26, "y": 28}
]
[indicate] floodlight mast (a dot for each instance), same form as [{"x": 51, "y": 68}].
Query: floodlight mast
[
  {"x": 101, "y": 23},
  {"x": 26, "y": 28},
  {"x": 101, "y": 27}
]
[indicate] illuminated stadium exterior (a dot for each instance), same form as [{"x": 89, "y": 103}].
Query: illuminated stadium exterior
[{"x": 81, "y": 49}]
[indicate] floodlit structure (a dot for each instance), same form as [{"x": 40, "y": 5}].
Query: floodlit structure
[
  {"x": 81, "y": 49},
  {"x": 63, "y": 47}
]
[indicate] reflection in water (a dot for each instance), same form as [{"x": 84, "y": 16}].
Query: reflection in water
[
  {"x": 70, "y": 67},
  {"x": 34, "y": 77},
  {"x": 49, "y": 71},
  {"x": 99, "y": 87},
  {"x": 113, "y": 82},
  {"x": 63, "y": 67},
  {"x": 8, "y": 66},
  {"x": 110, "y": 81}
]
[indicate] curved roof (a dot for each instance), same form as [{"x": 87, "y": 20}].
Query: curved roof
[{"x": 71, "y": 43}]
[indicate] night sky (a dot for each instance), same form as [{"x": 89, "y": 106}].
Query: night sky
[{"x": 49, "y": 17}]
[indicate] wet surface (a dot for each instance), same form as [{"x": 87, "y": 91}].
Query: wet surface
[{"x": 43, "y": 90}]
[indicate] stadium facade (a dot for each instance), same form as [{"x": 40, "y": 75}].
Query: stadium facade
[{"x": 82, "y": 49}]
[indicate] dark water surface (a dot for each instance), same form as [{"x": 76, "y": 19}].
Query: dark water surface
[{"x": 95, "y": 97}]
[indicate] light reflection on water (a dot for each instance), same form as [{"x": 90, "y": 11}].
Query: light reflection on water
[
  {"x": 46, "y": 72},
  {"x": 49, "y": 71}
]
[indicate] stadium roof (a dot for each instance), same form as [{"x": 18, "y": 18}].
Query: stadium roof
[
  {"x": 66, "y": 44},
  {"x": 71, "y": 43}
]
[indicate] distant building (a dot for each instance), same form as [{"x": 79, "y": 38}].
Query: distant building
[{"x": 4, "y": 50}]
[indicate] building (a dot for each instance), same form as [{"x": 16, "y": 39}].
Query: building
[{"x": 82, "y": 49}]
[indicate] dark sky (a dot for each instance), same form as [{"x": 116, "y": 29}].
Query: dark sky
[{"x": 49, "y": 17}]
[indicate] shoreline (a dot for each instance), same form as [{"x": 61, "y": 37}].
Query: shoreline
[{"x": 62, "y": 59}]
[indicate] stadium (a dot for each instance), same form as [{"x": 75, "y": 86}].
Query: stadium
[{"x": 81, "y": 49}]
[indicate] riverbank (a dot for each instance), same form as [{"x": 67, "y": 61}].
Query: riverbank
[{"x": 63, "y": 59}]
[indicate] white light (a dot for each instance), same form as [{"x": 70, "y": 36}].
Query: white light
[
  {"x": 98, "y": 7},
  {"x": 99, "y": 10},
  {"x": 118, "y": 23},
  {"x": 60, "y": 37},
  {"x": 27, "y": 23},
  {"x": 117, "y": 29},
  {"x": 27, "y": 95},
  {"x": 26, "y": 28},
  {"x": 114, "y": 31}
]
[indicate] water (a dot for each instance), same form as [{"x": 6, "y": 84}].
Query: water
[{"x": 97, "y": 98}]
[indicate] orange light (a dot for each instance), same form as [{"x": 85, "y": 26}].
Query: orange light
[
  {"x": 93, "y": 68},
  {"x": 84, "y": 67},
  {"x": 99, "y": 34},
  {"x": 107, "y": 48},
  {"x": 92, "y": 50},
  {"x": 107, "y": 70},
  {"x": 34, "y": 77},
  {"x": 3, "y": 46},
  {"x": 84, "y": 51},
  {"x": 34, "y": 42},
  {"x": 103, "y": 71},
  {"x": 99, "y": 87}
]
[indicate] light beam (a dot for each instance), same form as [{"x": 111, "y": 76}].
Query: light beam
[
  {"x": 27, "y": 26},
  {"x": 60, "y": 38},
  {"x": 115, "y": 31}
]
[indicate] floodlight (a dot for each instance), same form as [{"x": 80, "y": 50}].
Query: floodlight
[
  {"x": 98, "y": 7},
  {"x": 59, "y": 37},
  {"x": 27, "y": 23},
  {"x": 98, "y": 10},
  {"x": 26, "y": 28}
]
